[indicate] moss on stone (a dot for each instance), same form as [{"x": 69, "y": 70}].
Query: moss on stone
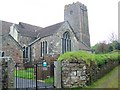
[{"x": 99, "y": 59}]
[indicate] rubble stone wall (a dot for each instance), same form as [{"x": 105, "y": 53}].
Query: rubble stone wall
[
  {"x": 76, "y": 73},
  {"x": 98, "y": 71},
  {"x": 6, "y": 73},
  {"x": 73, "y": 73}
]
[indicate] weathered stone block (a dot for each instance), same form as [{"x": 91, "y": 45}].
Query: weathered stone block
[{"x": 79, "y": 73}]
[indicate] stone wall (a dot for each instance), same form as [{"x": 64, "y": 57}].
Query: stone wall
[
  {"x": 12, "y": 49},
  {"x": 73, "y": 74},
  {"x": 6, "y": 73},
  {"x": 76, "y": 73},
  {"x": 23, "y": 40},
  {"x": 98, "y": 71}
]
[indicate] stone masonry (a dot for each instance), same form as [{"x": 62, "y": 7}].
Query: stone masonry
[
  {"x": 12, "y": 49},
  {"x": 54, "y": 43},
  {"x": 76, "y": 73},
  {"x": 6, "y": 73},
  {"x": 76, "y": 14},
  {"x": 73, "y": 74}
]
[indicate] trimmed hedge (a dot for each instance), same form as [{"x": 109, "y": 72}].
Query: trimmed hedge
[{"x": 99, "y": 59}]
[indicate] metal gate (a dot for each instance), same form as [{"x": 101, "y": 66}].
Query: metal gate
[{"x": 35, "y": 76}]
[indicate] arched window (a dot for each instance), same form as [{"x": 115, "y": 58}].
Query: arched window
[{"x": 66, "y": 42}]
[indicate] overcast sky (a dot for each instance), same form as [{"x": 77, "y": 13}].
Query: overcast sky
[{"x": 102, "y": 14}]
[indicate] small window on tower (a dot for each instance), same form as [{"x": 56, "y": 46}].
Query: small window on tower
[{"x": 71, "y": 12}]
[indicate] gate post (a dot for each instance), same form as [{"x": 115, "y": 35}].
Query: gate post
[
  {"x": 6, "y": 73},
  {"x": 57, "y": 74},
  {"x": 16, "y": 75},
  {"x": 36, "y": 76}
]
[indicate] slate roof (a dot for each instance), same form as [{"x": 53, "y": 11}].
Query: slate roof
[
  {"x": 29, "y": 26},
  {"x": 30, "y": 30},
  {"x": 23, "y": 28},
  {"x": 49, "y": 30},
  {"x": 27, "y": 29},
  {"x": 5, "y": 27},
  {"x": 83, "y": 46}
]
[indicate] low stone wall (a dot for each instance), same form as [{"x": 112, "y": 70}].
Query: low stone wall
[
  {"x": 76, "y": 73},
  {"x": 6, "y": 73},
  {"x": 96, "y": 72},
  {"x": 73, "y": 73}
]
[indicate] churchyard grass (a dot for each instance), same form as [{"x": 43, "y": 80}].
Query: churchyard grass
[
  {"x": 26, "y": 74},
  {"x": 29, "y": 74},
  {"x": 49, "y": 80}
]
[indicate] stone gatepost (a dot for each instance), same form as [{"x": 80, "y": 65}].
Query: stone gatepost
[
  {"x": 6, "y": 73},
  {"x": 74, "y": 73},
  {"x": 57, "y": 74}
]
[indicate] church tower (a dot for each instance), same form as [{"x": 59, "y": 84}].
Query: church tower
[{"x": 77, "y": 16}]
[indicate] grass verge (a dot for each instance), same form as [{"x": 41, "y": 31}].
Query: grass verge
[{"x": 110, "y": 80}]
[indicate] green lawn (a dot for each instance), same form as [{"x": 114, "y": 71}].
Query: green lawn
[
  {"x": 26, "y": 74},
  {"x": 29, "y": 74},
  {"x": 49, "y": 80}
]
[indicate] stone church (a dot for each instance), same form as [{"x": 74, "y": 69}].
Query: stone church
[{"x": 24, "y": 41}]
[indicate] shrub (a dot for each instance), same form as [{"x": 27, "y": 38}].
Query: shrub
[{"x": 99, "y": 59}]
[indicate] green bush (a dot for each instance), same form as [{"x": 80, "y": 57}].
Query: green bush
[{"x": 99, "y": 59}]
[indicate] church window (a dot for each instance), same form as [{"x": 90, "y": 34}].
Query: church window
[
  {"x": 41, "y": 49},
  {"x": 66, "y": 42},
  {"x": 71, "y": 12},
  {"x": 25, "y": 52},
  {"x": 44, "y": 47}
]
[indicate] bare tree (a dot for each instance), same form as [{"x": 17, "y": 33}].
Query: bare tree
[
  {"x": 102, "y": 47},
  {"x": 112, "y": 37}
]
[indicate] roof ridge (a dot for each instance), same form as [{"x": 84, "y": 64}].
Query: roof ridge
[
  {"x": 7, "y": 22},
  {"x": 54, "y": 24},
  {"x": 29, "y": 24}
]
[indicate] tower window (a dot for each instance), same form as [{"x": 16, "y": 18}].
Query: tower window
[{"x": 71, "y": 12}]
